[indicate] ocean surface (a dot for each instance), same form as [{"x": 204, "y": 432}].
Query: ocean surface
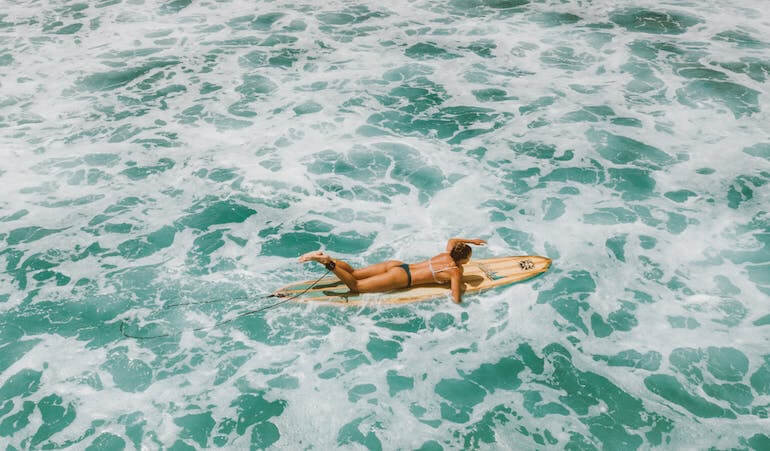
[{"x": 164, "y": 163}]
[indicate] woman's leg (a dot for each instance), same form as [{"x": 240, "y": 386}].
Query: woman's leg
[
  {"x": 383, "y": 276},
  {"x": 373, "y": 270},
  {"x": 368, "y": 271},
  {"x": 392, "y": 279},
  {"x": 361, "y": 273},
  {"x": 344, "y": 265},
  {"x": 341, "y": 269},
  {"x": 345, "y": 277}
]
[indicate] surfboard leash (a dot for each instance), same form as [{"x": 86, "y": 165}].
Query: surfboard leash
[
  {"x": 241, "y": 315},
  {"x": 243, "y": 298}
]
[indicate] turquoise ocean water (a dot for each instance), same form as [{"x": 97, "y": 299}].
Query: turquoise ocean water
[{"x": 156, "y": 153}]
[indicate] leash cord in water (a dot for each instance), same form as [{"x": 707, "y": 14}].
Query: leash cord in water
[
  {"x": 247, "y": 313},
  {"x": 243, "y": 298}
]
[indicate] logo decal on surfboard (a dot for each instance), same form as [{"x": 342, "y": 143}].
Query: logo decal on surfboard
[{"x": 489, "y": 273}]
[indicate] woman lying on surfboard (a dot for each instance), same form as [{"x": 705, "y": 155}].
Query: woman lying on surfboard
[{"x": 393, "y": 274}]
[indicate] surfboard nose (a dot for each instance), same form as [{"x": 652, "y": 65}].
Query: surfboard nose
[{"x": 541, "y": 263}]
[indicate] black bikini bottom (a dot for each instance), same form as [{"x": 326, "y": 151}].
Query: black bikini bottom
[{"x": 405, "y": 266}]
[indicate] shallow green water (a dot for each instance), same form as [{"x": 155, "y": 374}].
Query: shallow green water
[{"x": 160, "y": 153}]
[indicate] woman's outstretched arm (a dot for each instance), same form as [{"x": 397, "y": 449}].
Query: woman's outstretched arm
[
  {"x": 457, "y": 285},
  {"x": 453, "y": 241}
]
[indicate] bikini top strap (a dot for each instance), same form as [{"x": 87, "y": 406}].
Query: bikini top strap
[{"x": 433, "y": 273}]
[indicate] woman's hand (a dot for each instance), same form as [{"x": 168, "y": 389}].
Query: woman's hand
[{"x": 452, "y": 241}]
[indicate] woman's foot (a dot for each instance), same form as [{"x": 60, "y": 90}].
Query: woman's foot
[{"x": 316, "y": 256}]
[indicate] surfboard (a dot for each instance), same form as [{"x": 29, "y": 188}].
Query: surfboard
[{"x": 478, "y": 275}]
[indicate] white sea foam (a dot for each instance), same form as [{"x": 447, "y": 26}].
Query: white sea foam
[{"x": 55, "y": 124}]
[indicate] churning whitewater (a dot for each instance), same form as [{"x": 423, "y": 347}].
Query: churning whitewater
[{"x": 157, "y": 153}]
